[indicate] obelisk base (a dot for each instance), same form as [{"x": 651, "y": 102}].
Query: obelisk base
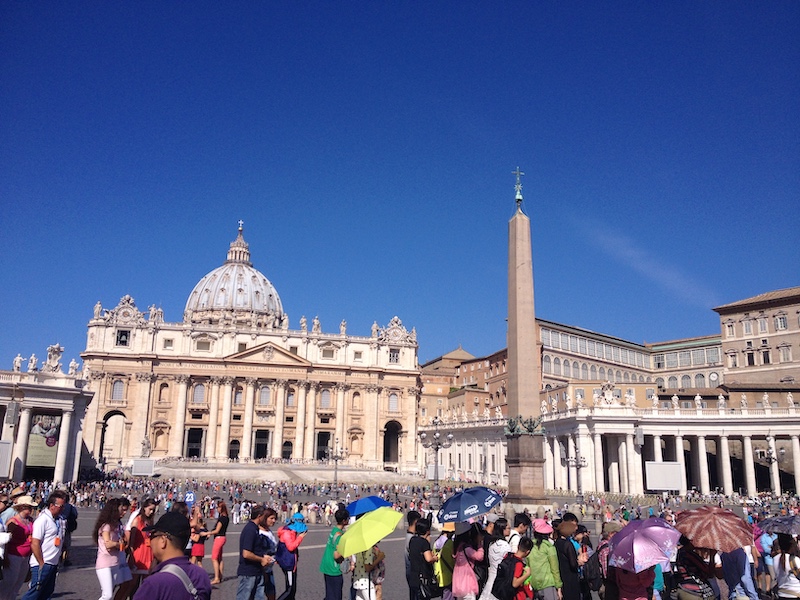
[{"x": 525, "y": 463}]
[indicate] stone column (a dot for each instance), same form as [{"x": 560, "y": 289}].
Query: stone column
[
  {"x": 622, "y": 453},
  {"x": 702, "y": 463},
  {"x": 341, "y": 388},
  {"x": 658, "y": 454},
  {"x": 311, "y": 420},
  {"x": 682, "y": 460},
  {"x": 599, "y": 469},
  {"x": 558, "y": 473},
  {"x": 373, "y": 436},
  {"x": 725, "y": 465},
  {"x": 749, "y": 466},
  {"x": 225, "y": 425},
  {"x": 176, "y": 435},
  {"x": 614, "y": 475},
  {"x": 571, "y": 462},
  {"x": 280, "y": 417},
  {"x": 796, "y": 460},
  {"x": 632, "y": 460},
  {"x": 549, "y": 471},
  {"x": 21, "y": 445},
  {"x": 300, "y": 428},
  {"x": 584, "y": 449},
  {"x": 210, "y": 449},
  {"x": 247, "y": 427},
  {"x": 64, "y": 442},
  {"x": 774, "y": 471},
  {"x": 144, "y": 384}
]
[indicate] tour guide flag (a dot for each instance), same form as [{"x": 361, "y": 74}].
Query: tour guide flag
[{"x": 472, "y": 502}]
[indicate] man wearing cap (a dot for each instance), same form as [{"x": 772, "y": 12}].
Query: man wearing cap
[
  {"x": 8, "y": 509},
  {"x": 46, "y": 539},
  {"x": 175, "y": 578}
]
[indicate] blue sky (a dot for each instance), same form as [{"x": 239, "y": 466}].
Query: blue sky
[{"x": 368, "y": 147}]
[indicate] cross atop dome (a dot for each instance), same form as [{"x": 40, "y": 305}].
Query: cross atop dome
[{"x": 241, "y": 225}]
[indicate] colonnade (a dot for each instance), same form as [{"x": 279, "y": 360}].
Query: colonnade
[
  {"x": 584, "y": 460},
  {"x": 68, "y": 450}
]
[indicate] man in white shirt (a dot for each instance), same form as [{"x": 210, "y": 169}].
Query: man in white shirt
[{"x": 48, "y": 535}]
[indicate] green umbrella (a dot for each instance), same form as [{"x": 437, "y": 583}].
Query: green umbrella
[{"x": 368, "y": 531}]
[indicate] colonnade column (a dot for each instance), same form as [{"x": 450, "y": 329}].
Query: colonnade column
[
  {"x": 341, "y": 388},
  {"x": 573, "y": 470},
  {"x": 549, "y": 464},
  {"x": 796, "y": 461},
  {"x": 247, "y": 428},
  {"x": 21, "y": 445},
  {"x": 225, "y": 427},
  {"x": 558, "y": 473},
  {"x": 749, "y": 466},
  {"x": 599, "y": 479},
  {"x": 311, "y": 420},
  {"x": 586, "y": 473},
  {"x": 774, "y": 472},
  {"x": 658, "y": 454},
  {"x": 280, "y": 417},
  {"x": 702, "y": 463},
  {"x": 300, "y": 429},
  {"x": 631, "y": 454},
  {"x": 373, "y": 436},
  {"x": 613, "y": 465},
  {"x": 213, "y": 416},
  {"x": 176, "y": 435},
  {"x": 64, "y": 441},
  {"x": 682, "y": 460},
  {"x": 725, "y": 464},
  {"x": 622, "y": 460}
]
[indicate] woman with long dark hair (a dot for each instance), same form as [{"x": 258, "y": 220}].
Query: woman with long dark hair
[
  {"x": 787, "y": 566},
  {"x": 219, "y": 532},
  {"x": 109, "y": 536},
  {"x": 139, "y": 540},
  {"x": 468, "y": 550}
]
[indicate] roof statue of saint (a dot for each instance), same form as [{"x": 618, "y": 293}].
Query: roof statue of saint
[{"x": 235, "y": 293}]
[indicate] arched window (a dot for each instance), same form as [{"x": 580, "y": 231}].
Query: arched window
[
  {"x": 237, "y": 396},
  {"x": 576, "y": 370},
  {"x": 602, "y": 373},
  {"x": 584, "y": 371},
  {"x": 618, "y": 378},
  {"x": 118, "y": 390},
  {"x": 290, "y": 398},
  {"x": 357, "y": 401},
  {"x": 686, "y": 381},
  {"x": 325, "y": 399},
  {"x": 593, "y": 372},
  {"x": 547, "y": 365},
  {"x": 557, "y": 366},
  {"x": 672, "y": 382},
  {"x": 199, "y": 394},
  {"x": 264, "y": 395},
  {"x": 699, "y": 380},
  {"x": 394, "y": 402},
  {"x": 660, "y": 382},
  {"x": 567, "y": 369},
  {"x": 641, "y": 379},
  {"x": 626, "y": 378}
]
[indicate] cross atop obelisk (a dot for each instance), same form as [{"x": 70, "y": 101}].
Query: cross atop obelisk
[{"x": 518, "y": 187}]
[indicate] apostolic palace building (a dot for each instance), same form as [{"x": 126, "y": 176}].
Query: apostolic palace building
[{"x": 233, "y": 380}]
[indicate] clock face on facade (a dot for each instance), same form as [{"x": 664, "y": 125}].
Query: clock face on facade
[{"x": 126, "y": 313}]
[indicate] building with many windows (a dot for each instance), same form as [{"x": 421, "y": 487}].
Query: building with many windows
[
  {"x": 721, "y": 406},
  {"x": 233, "y": 381}
]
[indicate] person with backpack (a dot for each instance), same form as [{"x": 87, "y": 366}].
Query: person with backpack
[
  {"x": 290, "y": 536},
  {"x": 495, "y": 552},
  {"x": 545, "y": 576},
  {"x": 331, "y": 559},
  {"x": 443, "y": 567},
  {"x": 569, "y": 561},
  {"x": 512, "y": 574}
]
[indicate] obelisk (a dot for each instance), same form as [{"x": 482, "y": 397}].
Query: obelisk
[{"x": 525, "y": 458}]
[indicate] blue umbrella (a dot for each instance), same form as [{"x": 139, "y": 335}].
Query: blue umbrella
[
  {"x": 472, "y": 502},
  {"x": 365, "y": 505}
]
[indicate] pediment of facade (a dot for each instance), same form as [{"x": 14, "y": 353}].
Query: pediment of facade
[{"x": 267, "y": 353}]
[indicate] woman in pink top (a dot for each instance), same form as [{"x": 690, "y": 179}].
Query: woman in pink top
[
  {"x": 109, "y": 536},
  {"x": 18, "y": 549},
  {"x": 468, "y": 546}
]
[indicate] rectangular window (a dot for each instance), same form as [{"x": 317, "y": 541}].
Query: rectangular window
[
  {"x": 168, "y": 344},
  {"x": 123, "y": 337},
  {"x": 564, "y": 341},
  {"x": 290, "y": 419},
  {"x": 730, "y": 330},
  {"x": 573, "y": 343},
  {"x": 394, "y": 356},
  {"x": 546, "y": 338},
  {"x": 732, "y": 362},
  {"x": 242, "y": 346},
  {"x": 748, "y": 327},
  {"x": 325, "y": 420},
  {"x": 781, "y": 322},
  {"x": 592, "y": 349},
  {"x": 672, "y": 360},
  {"x": 786, "y": 354},
  {"x": 751, "y": 359},
  {"x": 582, "y": 345},
  {"x": 698, "y": 357},
  {"x": 293, "y": 349},
  {"x": 328, "y": 353},
  {"x": 197, "y": 416},
  {"x": 685, "y": 358},
  {"x": 658, "y": 361},
  {"x": 357, "y": 355},
  {"x": 236, "y": 417},
  {"x": 616, "y": 353},
  {"x": 203, "y": 345},
  {"x": 765, "y": 359},
  {"x": 712, "y": 355},
  {"x": 762, "y": 325}
]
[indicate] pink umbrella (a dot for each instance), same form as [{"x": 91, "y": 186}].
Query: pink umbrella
[{"x": 642, "y": 544}]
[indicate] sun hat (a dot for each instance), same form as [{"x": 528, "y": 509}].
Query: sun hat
[
  {"x": 450, "y": 526},
  {"x": 541, "y": 526},
  {"x": 297, "y": 523},
  {"x": 24, "y": 501}
]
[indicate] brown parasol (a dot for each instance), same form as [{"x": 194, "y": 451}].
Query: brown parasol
[{"x": 715, "y": 528}]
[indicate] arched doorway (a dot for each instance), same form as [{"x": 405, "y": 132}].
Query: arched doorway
[
  {"x": 262, "y": 443},
  {"x": 391, "y": 444},
  {"x": 233, "y": 450},
  {"x": 286, "y": 451},
  {"x": 111, "y": 437}
]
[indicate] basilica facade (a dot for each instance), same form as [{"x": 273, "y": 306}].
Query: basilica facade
[{"x": 232, "y": 381}]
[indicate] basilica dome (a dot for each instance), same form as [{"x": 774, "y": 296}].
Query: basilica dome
[{"x": 235, "y": 292}]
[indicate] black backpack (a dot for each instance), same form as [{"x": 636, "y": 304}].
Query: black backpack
[
  {"x": 503, "y": 588},
  {"x": 592, "y": 574}
]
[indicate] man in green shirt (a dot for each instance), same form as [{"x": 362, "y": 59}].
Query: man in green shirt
[{"x": 331, "y": 559}]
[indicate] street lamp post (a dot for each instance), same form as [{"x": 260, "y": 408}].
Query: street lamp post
[
  {"x": 436, "y": 442},
  {"x": 579, "y": 462},
  {"x": 336, "y": 454}
]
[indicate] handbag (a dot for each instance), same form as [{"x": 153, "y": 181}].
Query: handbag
[{"x": 428, "y": 588}]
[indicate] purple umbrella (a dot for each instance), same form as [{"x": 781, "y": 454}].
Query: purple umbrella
[{"x": 642, "y": 544}]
